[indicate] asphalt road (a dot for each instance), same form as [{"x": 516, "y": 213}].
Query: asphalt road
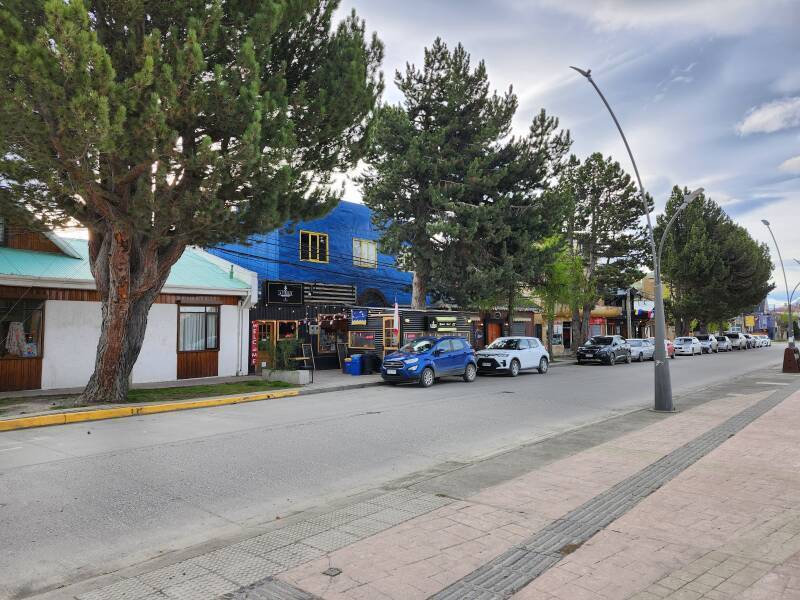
[{"x": 83, "y": 499}]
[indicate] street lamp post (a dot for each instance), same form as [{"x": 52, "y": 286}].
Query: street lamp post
[
  {"x": 785, "y": 283},
  {"x": 663, "y": 384}
]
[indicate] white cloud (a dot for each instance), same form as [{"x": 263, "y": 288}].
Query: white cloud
[
  {"x": 738, "y": 16},
  {"x": 771, "y": 116},
  {"x": 790, "y": 165}
]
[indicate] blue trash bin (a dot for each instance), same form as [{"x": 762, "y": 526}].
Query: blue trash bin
[{"x": 355, "y": 364}]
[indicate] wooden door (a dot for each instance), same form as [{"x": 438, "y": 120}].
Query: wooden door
[
  {"x": 493, "y": 331},
  {"x": 266, "y": 344},
  {"x": 390, "y": 339}
]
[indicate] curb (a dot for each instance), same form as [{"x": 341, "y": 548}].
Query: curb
[{"x": 134, "y": 411}]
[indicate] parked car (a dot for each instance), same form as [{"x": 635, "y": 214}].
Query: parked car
[
  {"x": 767, "y": 340},
  {"x": 608, "y": 349},
  {"x": 669, "y": 347},
  {"x": 724, "y": 343},
  {"x": 751, "y": 341},
  {"x": 641, "y": 349},
  {"x": 688, "y": 345},
  {"x": 513, "y": 354},
  {"x": 737, "y": 339},
  {"x": 708, "y": 343},
  {"x": 427, "y": 358}
]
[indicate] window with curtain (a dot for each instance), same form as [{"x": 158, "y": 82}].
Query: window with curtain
[
  {"x": 198, "y": 328},
  {"x": 365, "y": 253},
  {"x": 21, "y": 328}
]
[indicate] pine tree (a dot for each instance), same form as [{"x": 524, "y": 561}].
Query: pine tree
[
  {"x": 604, "y": 230},
  {"x": 454, "y": 195},
  {"x": 162, "y": 124}
]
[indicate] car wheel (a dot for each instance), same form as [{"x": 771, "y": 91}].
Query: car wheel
[
  {"x": 543, "y": 365},
  {"x": 513, "y": 369},
  {"x": 427, "y": 377},
  {"x": 612, "y": 360},
  {"x": 470, "y": 372},
  {"x": 629, "y": 359},
  {"x": 641, "y": 357},
  {"x": 580, "y": 362},
  {"x": 672, "y": 356}
]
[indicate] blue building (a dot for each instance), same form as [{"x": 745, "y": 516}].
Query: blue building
[{"x": 340, "y": 249}]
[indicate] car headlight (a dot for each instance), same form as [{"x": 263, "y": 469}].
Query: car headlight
[
  {"x": 414, "y": 368},
  {"x": 411, "y": 361},
  {"x": 501, "y": 354}
]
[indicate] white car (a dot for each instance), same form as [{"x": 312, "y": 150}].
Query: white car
[
  {"x": 767, "y": 340},
  {"x": 708, "y": 343},
  {"x": 688, "y": 345},
  {"x": 738, "y": 341},
  {"x": 724, "y": 343},
  {"x": 641, "y": 349},
  {"x": 513, "y": 354}
]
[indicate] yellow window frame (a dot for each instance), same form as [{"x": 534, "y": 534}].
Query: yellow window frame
[
  {"x": 314, "y": 238},
  {"x": 358, "y": 258}
]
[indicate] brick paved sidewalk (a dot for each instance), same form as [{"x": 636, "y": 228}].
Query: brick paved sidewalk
[{"x": 729, "y": 523}]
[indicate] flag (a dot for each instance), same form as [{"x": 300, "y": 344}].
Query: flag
[{"x": 396, "y": 328}]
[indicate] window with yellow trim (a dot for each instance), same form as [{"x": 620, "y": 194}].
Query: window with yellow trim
[
  {"x": 365, "y": 253},
  {"x": 314, "y": 246}
]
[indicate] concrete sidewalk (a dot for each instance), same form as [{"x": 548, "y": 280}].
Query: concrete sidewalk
[{"x": 724, "y": 523}]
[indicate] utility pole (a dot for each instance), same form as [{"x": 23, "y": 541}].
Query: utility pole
[{"x": 628, "y": 310}]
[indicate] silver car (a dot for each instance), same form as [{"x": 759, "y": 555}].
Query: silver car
[
  {"x": 724, "y": 343},
  {"x": 708, "y": 343},
  {"x": 688, "y": 345},
  {"x": 738, "y": 340},
  {"x": 641, "y": 350}
]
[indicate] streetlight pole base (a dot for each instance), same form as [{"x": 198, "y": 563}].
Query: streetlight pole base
[
  {"x": 790, "y": 363},
  {"x": 667, "y": 412}
]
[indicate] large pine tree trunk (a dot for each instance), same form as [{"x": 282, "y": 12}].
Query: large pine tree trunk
[
  {"x": 587, "y": 313},
  {"x": 575, "y": 329},
  {"x": 129, "y": 273},
  {"x": 551, "y": 324},
  {"x": 419, "y": 288}
]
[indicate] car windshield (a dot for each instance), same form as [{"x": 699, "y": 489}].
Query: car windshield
[
  {"x": 417, "y": 346},
  {"x": 504, "y": 344},
  {"x": 720, "y": 338},
  {"x": 635, "y": 343},
  {"x": 703, "y": 338},
  {"x": 600, "y": 340},
  {"x": 686, "y": 340}
]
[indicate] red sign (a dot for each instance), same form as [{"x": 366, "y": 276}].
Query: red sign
[
  {"x": 254, "y": 342},
  {"x": 596, "y": 321}
]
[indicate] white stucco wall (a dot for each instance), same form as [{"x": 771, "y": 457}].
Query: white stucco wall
[
  {"x": 73, "y": 328},
  {"x": 229, "y": 340},
  {"x": 71, "y": 331},
  {"x": 158, "y": 360}
]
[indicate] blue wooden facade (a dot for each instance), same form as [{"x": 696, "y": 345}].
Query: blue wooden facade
[{"x": 344, "y": 232}]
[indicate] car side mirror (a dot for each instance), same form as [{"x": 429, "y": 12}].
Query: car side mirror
[{"x": 437, "y": 352}]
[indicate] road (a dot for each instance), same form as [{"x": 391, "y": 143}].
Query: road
[{"x": 83, "y": 499}]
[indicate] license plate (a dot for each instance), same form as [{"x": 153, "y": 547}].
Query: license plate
[
  {"x": 486, "y": 363},
  {"x": 391, "y": 371},
  {"x": 589, "y": 355}
]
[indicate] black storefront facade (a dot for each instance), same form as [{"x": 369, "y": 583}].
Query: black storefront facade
[{"x": 325, "y": 317}]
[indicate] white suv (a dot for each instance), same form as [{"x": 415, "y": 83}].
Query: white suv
[{"x": 513, "y": 354}]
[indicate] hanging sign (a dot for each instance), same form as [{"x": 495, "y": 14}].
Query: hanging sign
[
  {"x": 313, "y": 329},
  {"x": 253, "y": 342},
  {"x": 284, "y": 293},
  {"x": 358, "y": 317}
]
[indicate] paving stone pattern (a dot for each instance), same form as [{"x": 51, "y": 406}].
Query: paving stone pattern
[
  {"x": 516, "y": 568},
  {"x": 245, "y": 570}
]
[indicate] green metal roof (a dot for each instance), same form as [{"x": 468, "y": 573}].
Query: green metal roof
[{"x": 192, "y": 269}]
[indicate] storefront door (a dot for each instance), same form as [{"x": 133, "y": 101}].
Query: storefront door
[
  {"x": 266, "y": 345},
  {"x": 390, "y": 341},
  {"x": 493, "y": 331}
]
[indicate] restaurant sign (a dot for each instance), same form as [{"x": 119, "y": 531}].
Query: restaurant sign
[
  {"x": 442, "y": 324},
  {"x": 358, "y": 317},
  {"x": 284, "y": 293}
]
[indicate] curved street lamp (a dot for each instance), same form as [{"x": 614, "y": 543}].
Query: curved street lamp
[
  {"x": 663, "y": 384},
  {"x": 790, "y": 333}
]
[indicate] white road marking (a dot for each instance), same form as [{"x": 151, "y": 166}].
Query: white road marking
[
  {"x": 9, "y": 449},
  {"x": 772, "y": 383}
]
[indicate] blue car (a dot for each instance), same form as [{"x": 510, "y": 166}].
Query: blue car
[{"x": 428, "y": 358}]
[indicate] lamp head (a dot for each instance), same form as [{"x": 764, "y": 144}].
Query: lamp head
[
  {"x": 765, "y": 222},
  {"x": 586, "y": 73}
]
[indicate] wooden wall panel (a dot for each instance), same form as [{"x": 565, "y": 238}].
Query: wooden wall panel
[
  {"x": 40, "y": 293},
  {"x": 203, "y": 363},
  {"x": 22, "y": 239},
  {"x": 20, "y": 374}
]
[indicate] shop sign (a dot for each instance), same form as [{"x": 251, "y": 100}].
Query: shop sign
[
  {"x": 596, "y": 321},
  {"x": 442, "y": 324},
  {"x": 253, "y": 342},
  {"x": 410, "y": 336},
  {"x": 749, "y": 321},
  {"x": 284, "y": 293},
  {"x": 358, "y": 317}
]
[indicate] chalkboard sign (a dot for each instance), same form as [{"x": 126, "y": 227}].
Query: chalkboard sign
[
  {"x": 308, "y": 354},
  {"x": 341, "y": 350}
]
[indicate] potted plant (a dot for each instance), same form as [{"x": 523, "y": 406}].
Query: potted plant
[{"x": 286, "y": 368}]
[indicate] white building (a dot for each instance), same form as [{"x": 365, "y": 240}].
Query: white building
[{"x": 50, "y": 316}]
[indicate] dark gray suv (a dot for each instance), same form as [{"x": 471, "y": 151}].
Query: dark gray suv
[{"x": 606, "y": 349}]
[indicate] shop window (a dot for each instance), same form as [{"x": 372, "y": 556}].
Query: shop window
[
  {"x": 363, "y": 340},
  {"x": 389, "y": 336},
  {"x": 329, "y": 337},
  {"x": 365, "y": 253},
  {"x": 198, "y": 328},
  {"x": 313, "y": 246},
  {"x": 410, "y": 336},
  {"x": 21, "y": 328},
  {"x": 287, "y": 330}
]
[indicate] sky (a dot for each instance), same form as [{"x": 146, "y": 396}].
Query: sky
[{"x": 707, "y": 91}]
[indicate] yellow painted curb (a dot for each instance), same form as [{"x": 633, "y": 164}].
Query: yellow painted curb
[{"x": 133, "y": 411}]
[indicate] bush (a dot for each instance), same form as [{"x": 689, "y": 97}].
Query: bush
[{"x": 285, "y": 350}]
